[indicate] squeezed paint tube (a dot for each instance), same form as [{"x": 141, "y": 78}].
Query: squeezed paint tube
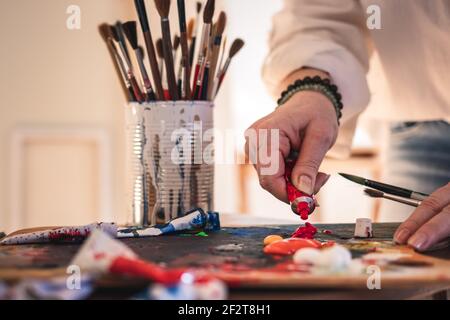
[
  {"x": 195, "y": 220},
  {"x": 101, "y": 254},
  {"x": 58, "y": 234}
]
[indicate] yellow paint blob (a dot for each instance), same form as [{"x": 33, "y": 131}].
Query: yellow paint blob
[{"x": 271, "y": 238}]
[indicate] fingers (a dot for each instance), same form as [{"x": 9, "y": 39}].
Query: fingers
[
  {"x": 321, "y": 179},
  {"x": 275, "y": 183},
  {"x": 315, "y": 145},
  {"x": 428, "y": 209},
  {"x": 267, "y": 155},
  {"x": 435, "y": 230}
]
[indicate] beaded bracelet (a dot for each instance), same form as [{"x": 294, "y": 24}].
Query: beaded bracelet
[{"x": 317, "y": 84}]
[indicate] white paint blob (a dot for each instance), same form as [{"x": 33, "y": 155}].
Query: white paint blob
[{"x": 334, "y": 258}]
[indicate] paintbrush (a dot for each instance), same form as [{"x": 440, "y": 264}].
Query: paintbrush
[
  {"x": 214, "y": 53},
  {"x": 186, "y": 93},
  {"x": 176, "y": 46},
  {"x": 379, "y": 194},
  {"x": 190, "y": 34},
  {"x": 130, "y": 31},
  {"x": 121, "y": 40},
  {"x": 236, "y": 46},
  {"x": 142, "y": 13},
  {"x": 203, "y": 49},
  {"x": 398, "y": 191},
  {"x": 222, "y": 54},
  {"x": 163, "y": 7},
  {"x": 178, "y": 64},
  {"x": 115, "y": 32},
  {"x": 196, "y": 23},
  {"x": 160, "y": 52},
  {"x": 119, "y": 66}
]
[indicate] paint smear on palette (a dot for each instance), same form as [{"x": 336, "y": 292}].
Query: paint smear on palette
[
  {"x": 230, "y": 247},
  {"x": 368, "y": 245},
  {"x": 290, "y": 246}
]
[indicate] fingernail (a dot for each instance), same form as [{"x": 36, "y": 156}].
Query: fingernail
[
  {"x": 418, "y": 241},
  {"x": 305, "y": 184},
  {"x": 401, "y": 236}
]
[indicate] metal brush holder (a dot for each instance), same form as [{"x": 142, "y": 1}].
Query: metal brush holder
[{"x": 170, "y": 168}]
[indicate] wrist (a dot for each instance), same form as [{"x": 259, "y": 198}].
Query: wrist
[
  {"x": 316, "y": 84},
  {"x": 311, "y": 103}
]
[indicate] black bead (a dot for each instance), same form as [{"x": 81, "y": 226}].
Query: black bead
[
  {"x": 317, "y": 79},
  {"x": 298, "y": 82}
]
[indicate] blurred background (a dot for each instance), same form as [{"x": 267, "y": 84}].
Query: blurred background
[{"x": 62, "y": 119}]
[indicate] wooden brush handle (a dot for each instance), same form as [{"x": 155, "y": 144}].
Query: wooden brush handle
[
  {"x": 154, "y": 65},
  {"x": 168, "y": 59},
  {"x": 185, "y": 64}
]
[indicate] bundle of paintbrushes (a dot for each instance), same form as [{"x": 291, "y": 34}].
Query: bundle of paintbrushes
[{"x": 182, "y": 69}]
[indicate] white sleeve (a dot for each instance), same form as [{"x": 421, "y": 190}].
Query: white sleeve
[{"x": 326, "y": 35}]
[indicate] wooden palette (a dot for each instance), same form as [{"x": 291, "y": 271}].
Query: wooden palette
[{"x": 236, "y": 256}]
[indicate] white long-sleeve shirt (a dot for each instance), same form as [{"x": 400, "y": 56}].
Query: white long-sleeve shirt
[{"x": 413, "y": 45}]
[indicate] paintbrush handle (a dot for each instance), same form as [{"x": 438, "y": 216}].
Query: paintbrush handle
[
  {"x": 143, "y": 19},
  {"x": 192, "y": 51},
  {"x": 212, "y": 69},
  {"x": 185, "y": 63},
  {"x": 394, "y": 190},
  {"x": 154, "y": 65},
  {"x": 168, "y": 59},
  {"x": 136, "y": 90},
  {"x": 409, "y": 202}
]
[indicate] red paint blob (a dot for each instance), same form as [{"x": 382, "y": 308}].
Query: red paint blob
[
  {"x": 67, "y": 236},
  {"x": 305, "y": 232},
  {"x": 289, "y": 246}
]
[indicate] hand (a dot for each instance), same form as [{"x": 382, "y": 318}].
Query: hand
[
  {"x": 429, "y": 223},
  {"x": 307, "y": 123}
]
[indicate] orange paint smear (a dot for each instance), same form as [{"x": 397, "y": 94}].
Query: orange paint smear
[{"x": 290, "y": 246}]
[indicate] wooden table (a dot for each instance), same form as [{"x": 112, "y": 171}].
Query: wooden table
[{"x": 18, "y": 262}]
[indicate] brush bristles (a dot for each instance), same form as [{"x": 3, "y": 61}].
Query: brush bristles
[
  {"x": 105, "y": 31},
  {"x": 209, "y": 11},
  {"x": 176, "y": 43},
  {"x": 163, "y": 7},
  {"x": 236, "y": 47},
  {"x": 221, "y": 23},
  {"x": 199, "y": 7},
  {"x": 190, "y": 28},
  {"x": 159, "y": 48},
  {"x": 373, "y": 193},
  {"x": 130, "y": 30}
]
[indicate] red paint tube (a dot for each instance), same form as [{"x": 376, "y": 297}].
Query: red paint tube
[
  {"x": 301, "y": 203},
  {"x": 146, "y": 270}
]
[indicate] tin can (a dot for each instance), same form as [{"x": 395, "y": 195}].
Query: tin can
[{"x": 170, "y": 166}]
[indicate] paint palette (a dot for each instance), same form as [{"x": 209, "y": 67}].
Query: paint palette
[{"x": 236, "y": 256}]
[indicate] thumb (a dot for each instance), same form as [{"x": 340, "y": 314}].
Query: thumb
[{"x": 315, "y": 145}]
